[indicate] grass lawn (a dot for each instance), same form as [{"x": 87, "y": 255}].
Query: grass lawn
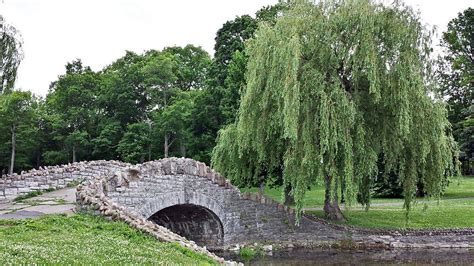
[
  {"x": 313, "y": 197},
  {"x": 452, "y": 214},
  {"x": 454, "y": 210},
  {"x": 86, "y": 240}
]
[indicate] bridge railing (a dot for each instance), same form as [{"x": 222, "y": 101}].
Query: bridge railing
[{"x": 53, "y": 177}]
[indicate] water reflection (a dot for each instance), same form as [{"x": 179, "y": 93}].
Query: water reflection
[{"x": 378, "y": 257}]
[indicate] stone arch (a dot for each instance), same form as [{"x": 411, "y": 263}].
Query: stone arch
[
  {"x": 186, "y": 200},
  {"x": 193, "y": 222}
]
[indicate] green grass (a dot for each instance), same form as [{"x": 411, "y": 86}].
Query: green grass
[
  {"x": 74, "y": 183},
  {"x": 462, "y": 188},
  {"x": 86, "y": 240},
  {"x": 448, "y": 214},
  {"x": 248, "y": 253},
  {"x": 313, "y": 197},
  {"x": 454, "y": 210}
]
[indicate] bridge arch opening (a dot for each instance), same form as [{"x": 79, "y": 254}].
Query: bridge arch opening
[{"x": 194, "y": 222}]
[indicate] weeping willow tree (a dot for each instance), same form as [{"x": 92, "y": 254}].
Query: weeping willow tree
[
  {"x": 10, "y": 55},
  {"x": 332, "y": 88}
]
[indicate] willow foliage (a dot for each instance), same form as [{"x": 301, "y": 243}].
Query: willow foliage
[
  {"x": 330, "y": 88},
  {"x": 10, "y": 55}
]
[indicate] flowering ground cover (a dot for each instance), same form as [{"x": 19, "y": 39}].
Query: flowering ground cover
[{"x": 86, "y": 240}]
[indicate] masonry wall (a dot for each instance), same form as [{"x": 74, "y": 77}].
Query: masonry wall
[{"x": 54, "y": 177}]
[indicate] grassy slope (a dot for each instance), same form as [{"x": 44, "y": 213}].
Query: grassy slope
[
  {"x": 454, "y": 210},
  {"x": 86, "y": 240}
]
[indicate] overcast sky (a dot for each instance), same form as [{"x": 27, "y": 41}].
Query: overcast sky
[{"x": 99, "y": 31}]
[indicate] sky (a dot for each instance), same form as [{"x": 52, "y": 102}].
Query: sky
[{"x": 100, "y": 31}]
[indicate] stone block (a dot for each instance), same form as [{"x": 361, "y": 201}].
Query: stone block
[
  {"x": 191, "y": 168},
  {"x": 24, "y": 190},
  {"x": 211, "y": 176},
  {"x": 220, "y": 180},
  {"x": 246, "y": 195},
  {"x": 19, "y": 184},
  {"x": 11, "y": 191},
  {"x": 255, "y": 197},
  {"x": 44, "y": 187},
  {"x": 180, "y": 169},
  {"x": 31, "y": 184}
]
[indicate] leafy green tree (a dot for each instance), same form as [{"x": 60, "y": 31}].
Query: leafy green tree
[
  {"x": 136, "y": 87},
  {"x": 329, "y": 88},
  {"x": 44, "y": 136},
  {"x": 124, "y": 95},
  {"x": 205, "y": 123},
  {"x": 105, "y": 144},
  {"x": 234, "y": 83},
  {"x": 134, "y": 146},
  {"x": 466, "y": 136},
  {"x": 457, "y": 82},
  {"x": 191, "y": 68},
  {"x": 130, "y": 89},
  {"x": 175, "y": 120},
  {"x": 217, "y": 105},
  {"x": 161, "y": 77},
  {"x": 72, "y": 110},
  {"x": 169, "y": 73},
  {"x": 229, "y": 39},
  {"x": 18, "y": 121},
  {"x": 10, "y": 55},
  {"x": 229, "y": 64}
]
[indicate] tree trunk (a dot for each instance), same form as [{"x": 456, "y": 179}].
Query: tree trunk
[
  {"x": 289, "y": 199},
  {"x": 149, "y": 144},
  {"x": 331, "y": 206},
  {"x": 73, "y": 153},
  {"x": 149, "y": 152},
  {"x": 182, "y": 147},
  {"x": 166, "y": 146},
  {"x": 261, "y": 188},
  {"x": 38, "y": 158},
  {"x": 12, "y": 159},
  {"x": 343, "y": 186}
]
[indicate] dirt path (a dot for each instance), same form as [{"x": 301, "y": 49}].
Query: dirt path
[{"x": 56, "y": 202}]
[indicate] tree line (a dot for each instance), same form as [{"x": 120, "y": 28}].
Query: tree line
[{"x": 169, "y": 102}]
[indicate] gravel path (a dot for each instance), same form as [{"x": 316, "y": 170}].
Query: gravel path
[{"x": 57, "y": 202}]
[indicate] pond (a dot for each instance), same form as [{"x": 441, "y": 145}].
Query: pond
[{"x": 364, "y": 257}]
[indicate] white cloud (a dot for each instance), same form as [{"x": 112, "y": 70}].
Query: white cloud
[{"x": 99, "y": 31}]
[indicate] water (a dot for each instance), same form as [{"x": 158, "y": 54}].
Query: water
[{"x": 372, "y": 257}]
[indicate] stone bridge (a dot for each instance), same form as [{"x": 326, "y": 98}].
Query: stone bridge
[{"x": 193, "y": 201}]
